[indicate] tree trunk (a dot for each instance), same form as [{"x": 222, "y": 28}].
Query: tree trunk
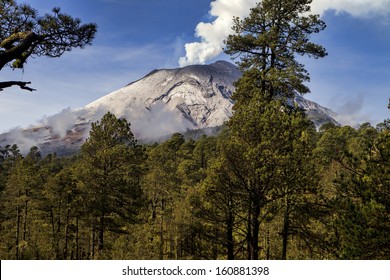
[
  {"x": 54, "y": 234},
  {"x": 255, "y": 232},
  {"x": 101, "y": 235},
  {"x": 230, "y": 241},
  {"x": 92, "y": 244},
  {"x": 268, "y": 246},
  {"x": 253, "y": 225},
  {"x": 263, "y": 70},
  {"x": 161, "y": 235},
  {"x": 249, "y": 233},
  {"x": 286, "y": 225},
  {"x": 25, "y": 218},
  {"x": 272, "y": 65},
  {"x": 17, "y": 237},
  {"x": 65, "y": 256},
  {"x": 77, "y": 239},
  {"x": 214, "y": 251},
  {"x": 229, "y": 227},
  {"x": 27, "y": 40}
]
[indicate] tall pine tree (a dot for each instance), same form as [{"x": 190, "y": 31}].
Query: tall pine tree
[{"x": 110, "y": 169}]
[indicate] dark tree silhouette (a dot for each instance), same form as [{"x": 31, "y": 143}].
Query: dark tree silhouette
[{"x": 25, "y": 34}]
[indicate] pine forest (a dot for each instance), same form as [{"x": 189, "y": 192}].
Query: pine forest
[{"x": 269, "y": 186}]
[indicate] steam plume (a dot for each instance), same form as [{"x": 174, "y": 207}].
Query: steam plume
[{"x": 212, "y": 34}]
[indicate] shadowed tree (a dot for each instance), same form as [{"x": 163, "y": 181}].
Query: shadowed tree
[{"x": 25, "y": 34}]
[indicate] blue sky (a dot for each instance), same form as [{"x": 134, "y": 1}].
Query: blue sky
[{"x": 134, "y": 37}]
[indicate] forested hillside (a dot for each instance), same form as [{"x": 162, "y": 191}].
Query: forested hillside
[{"x": 314, "y": 195}]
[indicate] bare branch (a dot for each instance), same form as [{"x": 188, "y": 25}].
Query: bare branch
[{"x": 22, "y": 85}]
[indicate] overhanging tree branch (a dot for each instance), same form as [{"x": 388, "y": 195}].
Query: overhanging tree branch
[
  {"x": 24, "y": 48},
  {"x": 24, "y": 34}
]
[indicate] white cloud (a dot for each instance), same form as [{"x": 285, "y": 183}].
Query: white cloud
[
  {"x": 213, "y": 34},
  {"x": 61, "y": 122}
]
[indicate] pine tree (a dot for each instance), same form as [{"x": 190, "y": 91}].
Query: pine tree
[
  {"x": 23, "y": 187},
  {"x": 8, "y": 156},
  {"x": 267, "y": 132},
  {"x": 110, "y": 170},
  {"x": 162, "y": 187},
  {"x": 267, "y": 42},
  {"x": 25, "y": 34},
  {"x": 60, "y": 207},
  {"x": 357, "y": 163},
  {"x": 218, "y": 204}
]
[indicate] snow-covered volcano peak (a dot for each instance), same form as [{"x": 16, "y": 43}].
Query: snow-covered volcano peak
[
  {"x": 163, "y": 102},
  {"x": 195, "y": 96}
]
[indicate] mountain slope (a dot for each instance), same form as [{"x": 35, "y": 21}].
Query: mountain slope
[
  {"x": 163, "y": 102},
  {"x": 200, "y": 94}
]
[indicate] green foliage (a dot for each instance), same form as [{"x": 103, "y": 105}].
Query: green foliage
[
  {"x": 268, "y": 40},
  {"x": 271, "y": 159},
  {"x": 357, "y": 173},
  {"x": 109, "y": 174},
  {"x": 270, "y": 179}
]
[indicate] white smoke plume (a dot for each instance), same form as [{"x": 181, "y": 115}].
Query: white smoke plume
[
  {"x": 351, "y": 112},
  {"x": 57, "y": 125},
  {"x": 156, "y": 122},
  {"x": 23, "y": 138},
  {"x": 213, "y": 34},
  {"x": 159, "y": 121},
  {"x": 62, "y": 122}
]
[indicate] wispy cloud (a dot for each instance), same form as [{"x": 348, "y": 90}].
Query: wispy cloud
[
  {"x": 350, "y": 111},
  {"x": 357, "y": 8}
]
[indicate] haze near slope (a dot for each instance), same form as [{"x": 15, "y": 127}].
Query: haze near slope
[{"x": 163, "y": 102}]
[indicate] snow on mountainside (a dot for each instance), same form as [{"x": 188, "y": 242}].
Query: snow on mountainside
[
  {"x": 174, "y": 100},
  {"x": 163, "y": 102}
]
